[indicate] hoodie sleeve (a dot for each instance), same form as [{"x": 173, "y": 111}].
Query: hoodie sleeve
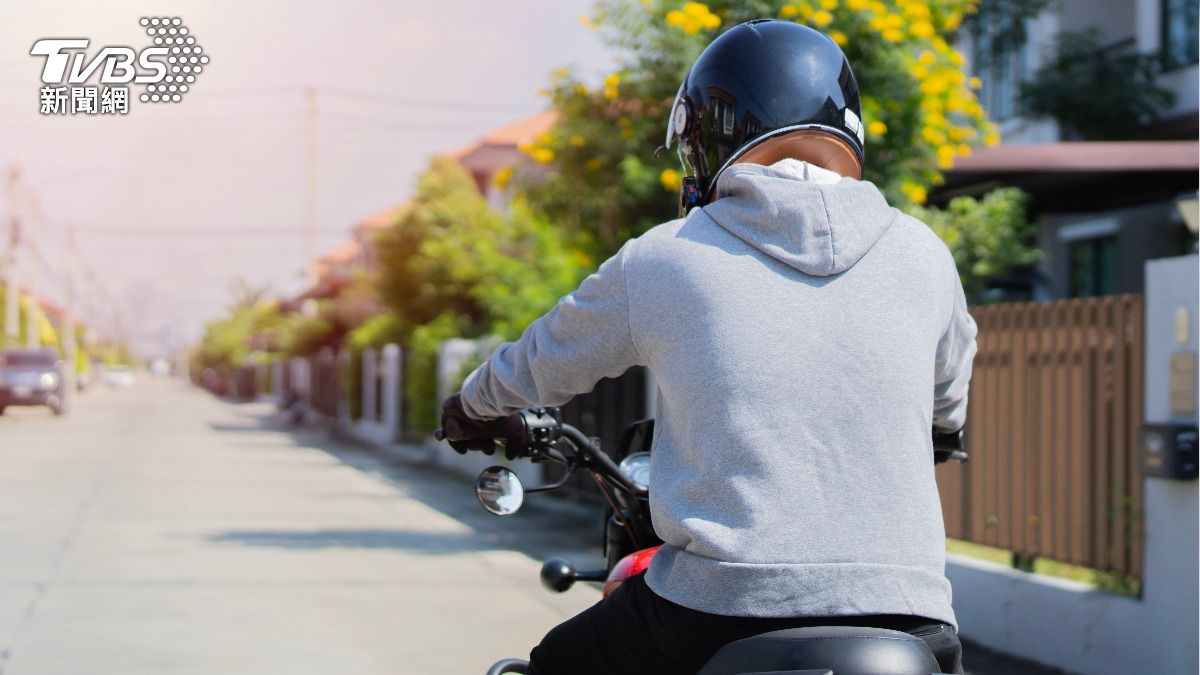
[
  {"x": 952, "y": 373},
  {"x": 585, "y": 338}
]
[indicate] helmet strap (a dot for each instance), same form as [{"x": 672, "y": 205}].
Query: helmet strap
[{"x": 689, "y": 194}]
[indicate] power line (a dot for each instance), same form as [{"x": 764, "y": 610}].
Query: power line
[
  {"x": 386, "y": 99},
  {"x": 216, "y": 232}
]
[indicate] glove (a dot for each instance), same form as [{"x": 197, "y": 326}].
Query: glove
[{"x": 465, "y": 433}]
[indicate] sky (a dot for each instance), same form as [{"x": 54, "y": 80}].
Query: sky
[{"x": 171, "y": 204}]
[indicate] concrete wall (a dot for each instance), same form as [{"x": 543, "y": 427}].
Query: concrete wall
[
  {"x": 1143, "y": 233},
  {"x": 381, "y": 400},
  {"x": 1076, "y": 627}
]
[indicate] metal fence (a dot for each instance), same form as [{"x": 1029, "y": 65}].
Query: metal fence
[
  {"x": 1055, "y": 409},
  {"x": 604, "y": 413}
]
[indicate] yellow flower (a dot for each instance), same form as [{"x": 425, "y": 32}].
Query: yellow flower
[
  {"x": 581, "y": 89},
  {"x": 914, "y": 192},
  {"x": 917, "y": 10},
  {"x": 893, "y": 35},
  {"x": 933, "y": 85},
  {"x": 839, "y": 37},
  {"x": 945, "y": 156},
  {"x": 918, "y": 71},
  {"x": 926, "y": 58},
  {"x": 586, "y": 21},
  {"x": 893, "y": 20},
  {"x": 670, "y": 180},
  {"x": 933, "y": 136},
  {"x": 594, "y": 164},
  {"x": 957, "y": 58},
  {"x": 922, "y": 29},
  {"x": 975, "y": 82},
  {"x": 960, "y": 133},
  {"x": 542, "y": 155},
  {"x": 788, "y": 11},
  {"x": 577, "y": 141},
  {"x": 821, "y": 18},
  {"x": 503, "y": 177},
  {"x": 829, "y": 4},
  {"x": 962, "y": 149},
  {"x": 952, "y": 22},
  {"x": 991, "y": 138},
  {"x": 876, "y": 128},
  {"x": 694, "y": 17},
  {"x": 610, "y": 86},
  {"x": 857, "y": 5}
]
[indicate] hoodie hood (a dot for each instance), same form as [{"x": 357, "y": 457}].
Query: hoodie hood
[{"x": 804, "y": 216}]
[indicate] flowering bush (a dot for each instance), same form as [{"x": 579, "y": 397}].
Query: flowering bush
[{"x": 919, "y": 105}]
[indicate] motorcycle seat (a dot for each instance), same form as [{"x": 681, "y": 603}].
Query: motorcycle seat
[{"x": 835, "y": 650}]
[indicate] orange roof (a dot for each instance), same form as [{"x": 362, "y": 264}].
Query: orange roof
[
  {"x": 342, "y": 254},
  {"x": 513, "y": 134},
  {"x": 1091, "y": 156},
  {"x": 384, "y": 218},
  {"x": 522, "y": 130}
]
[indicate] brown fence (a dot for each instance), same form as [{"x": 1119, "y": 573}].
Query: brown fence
[{"x": 1055, "y": 408}]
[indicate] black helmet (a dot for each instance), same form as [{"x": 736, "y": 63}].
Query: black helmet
[{"x": 758, "y": 80}]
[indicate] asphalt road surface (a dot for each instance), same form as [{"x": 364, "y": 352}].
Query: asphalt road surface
[{"x": 156, "y": 529}]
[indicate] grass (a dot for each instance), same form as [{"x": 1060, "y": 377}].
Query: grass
[{"x": 1104, "y": 581}]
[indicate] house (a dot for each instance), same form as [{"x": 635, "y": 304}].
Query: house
[
  {"x": 500, "y": 150},
  {"x": 1102, "y": 207}
]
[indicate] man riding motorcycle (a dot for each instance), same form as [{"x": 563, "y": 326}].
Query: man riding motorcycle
[{"x": 790, "y": 292}]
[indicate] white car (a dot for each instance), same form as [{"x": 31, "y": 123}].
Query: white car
[{"x": 119, "y": 376}]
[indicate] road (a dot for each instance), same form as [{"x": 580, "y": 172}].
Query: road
[{"x": 158, "y": 530}]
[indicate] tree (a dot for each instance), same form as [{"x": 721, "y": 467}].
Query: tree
[
  {"x": 986, "y": 236},
  {"x": 452, "y": 266},
  {"x": 605, "y": 184},
  {"x": 452, "y": 254},
  {"x": 228, "y": 343},
  {"x": 1095, "y": 93}
]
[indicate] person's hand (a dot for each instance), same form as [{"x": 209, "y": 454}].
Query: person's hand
[{"x": 465, "y": 433}]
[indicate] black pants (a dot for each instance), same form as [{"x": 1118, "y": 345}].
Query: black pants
[{"x": 634, "y": 631}]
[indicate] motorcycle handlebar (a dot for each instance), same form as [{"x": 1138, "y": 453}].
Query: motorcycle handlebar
[{"x": 540, "y": 427}]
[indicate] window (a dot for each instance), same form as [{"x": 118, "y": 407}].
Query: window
[
  {"x": 1093, "y": 267},
  {"x": 1001, "y": 65},
  {"x": 1179, "y": 28}
]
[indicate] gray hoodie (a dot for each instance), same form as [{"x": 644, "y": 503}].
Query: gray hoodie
[{"x": 804, "y": 336}]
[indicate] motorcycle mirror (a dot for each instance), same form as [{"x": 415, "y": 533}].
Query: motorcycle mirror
[{"x": 500, "y": 491}]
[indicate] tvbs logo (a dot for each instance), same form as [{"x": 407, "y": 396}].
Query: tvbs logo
[
  {"x": 168, "y": 69},
  {"x": 117, "y": 63}
]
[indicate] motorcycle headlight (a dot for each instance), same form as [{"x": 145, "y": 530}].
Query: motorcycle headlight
[
  {"x": 636, "y": 468},
  {"x": 47, "y": 380}
]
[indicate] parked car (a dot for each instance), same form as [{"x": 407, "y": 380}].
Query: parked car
[
  {"x": 119, "y": 376},
  {"x": 31, "y": 377}
]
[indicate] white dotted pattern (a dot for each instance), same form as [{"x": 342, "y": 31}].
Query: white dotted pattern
[{"x": 185, "y": 58}]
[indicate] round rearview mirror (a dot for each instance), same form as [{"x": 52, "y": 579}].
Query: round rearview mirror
[{"x": 500, "y": 491}]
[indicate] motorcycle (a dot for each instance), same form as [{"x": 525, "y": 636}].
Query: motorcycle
[{"x": 630, "y": 544}]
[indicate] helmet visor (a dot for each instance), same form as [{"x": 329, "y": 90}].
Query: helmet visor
[{"x": 672, "y": 128}]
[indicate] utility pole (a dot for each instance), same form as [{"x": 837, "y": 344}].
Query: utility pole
[
  {"x": 70, "y": 358},
  {"x": 310, "y": 188},
  {"x": 12, "y": 318},
  {"x": 33, "y": 317},
  {"x": 33, "y": 311}
]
